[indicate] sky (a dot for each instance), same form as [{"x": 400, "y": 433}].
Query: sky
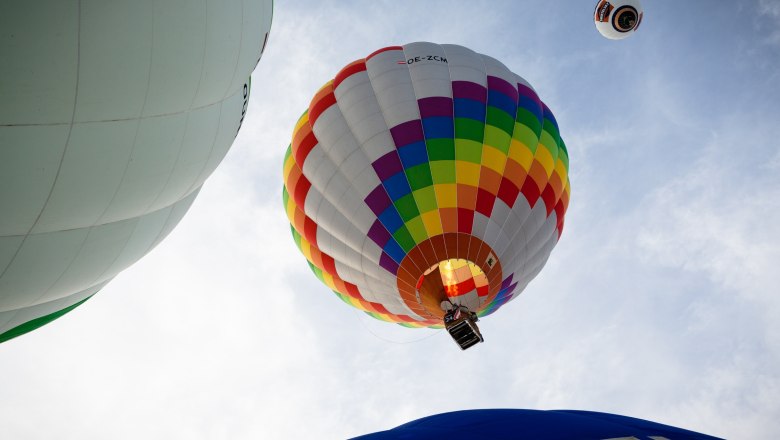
[{"x": 660, "y": 301}]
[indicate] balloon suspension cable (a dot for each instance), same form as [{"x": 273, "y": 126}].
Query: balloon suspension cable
[{"x": 360, "y": 318}]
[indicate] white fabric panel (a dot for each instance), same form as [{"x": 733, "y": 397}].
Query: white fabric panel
[
  {"x": 151, "y": 162},
  {"x": 465, "y": 64},
  {"x": 221, "y": 52},
  {"x": 117, "y": 89},
  {"x": 362, "y": 113},
  {"x": 520, "y": 80},
  {"x": 493, "y": 67},
  {"x": 392, "y": 87},
  {"x": 40, "y": 62},
  {"x": 8, "y": 248},
  {"x": 29, "y": 160},
  {"x": 92, "y": 167},
  {"x": 430, "y": 77},
  {"x": 201, "y": 129},
  {"x": 14, "y": 318},
  {"x": 46, "y": 256}
]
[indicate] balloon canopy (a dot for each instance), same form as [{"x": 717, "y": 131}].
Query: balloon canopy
[
  {"x": 490, "y": 424},
  {"x": 112, "y": 115},
  {"x": 426, "y": 176}
]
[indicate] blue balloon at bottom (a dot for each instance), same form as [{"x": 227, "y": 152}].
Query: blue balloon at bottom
[{"x": 519, "y": 424}]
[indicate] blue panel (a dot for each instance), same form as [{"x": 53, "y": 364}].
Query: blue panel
[
  {"x": 397, "y": 186},
  {"x": 390, "y": 219},
  {"x": 505, "y": 103},
  {"x": 438, "y": 128},
  {"x": 468, "y": 108},
  {"x": 413, "y": 154},
  {"x": 532, "y": 106},
  {"x": 393, "y": 249}
]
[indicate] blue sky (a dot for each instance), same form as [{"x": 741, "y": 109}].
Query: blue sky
[{"x": 659, "y": 302}]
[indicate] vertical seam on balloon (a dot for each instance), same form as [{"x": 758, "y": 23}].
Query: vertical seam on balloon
[
  {"x": 137, "y": 127},
  {"x": 64, "y": 150},
  {"x": 238, "y": 57}
]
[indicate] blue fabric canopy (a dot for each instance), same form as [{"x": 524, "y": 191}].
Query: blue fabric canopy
[{"x": 518, "y": 424}]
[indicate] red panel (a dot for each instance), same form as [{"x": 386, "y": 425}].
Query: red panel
[
  {"x": 465, "y": 220},
  {"x": 310, "y": 231},
  {"x": 351, "y": 69},
  {"x": 508, "y": 192},
  {"x": 303, "y": 149},
  {"x": 548, "y": 195},
  {"x": 352, "y": 290},
  {"x": 384, "y": 49},
  {"x": 485, "y": 201},
  {"x": 329, "y": 264},
  {"x": 301, "y": 190},
  {"x": 530, "y": 191},
  {"x": 317, "y": 107}
]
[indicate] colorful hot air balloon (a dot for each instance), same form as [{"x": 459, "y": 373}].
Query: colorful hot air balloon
[
  {"x": 427, "y": 180},
  {"x": 533, "y": 424},
  {"x": 112, "y": 115}
]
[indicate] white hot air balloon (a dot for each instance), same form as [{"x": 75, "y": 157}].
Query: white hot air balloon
[
  {"x": 112, "y": 115},
  {"x": 617, "y": 19}
]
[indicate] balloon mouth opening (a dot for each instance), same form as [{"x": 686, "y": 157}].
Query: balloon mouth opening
[
  {"x": 455, "y": 281},
  {"x": 626, "y": 19}
]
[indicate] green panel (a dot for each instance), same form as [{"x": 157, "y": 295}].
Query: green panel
[
  {"x": 38, "y": 322},
  {"x": 296, "y": 237},
  {"x": 466, "y": 128},
  {"x": 443, "y": 171},
  {"x": 419, "y": 176},
  {"x": 564, "y": 155},
  {"x": 317, "y": 271},
  {"x": 549, "y": 143},
  {"x": 529, "y": 120},
  {"x": 497, "y": 138},
  {"x": 526, "y": 136},
  {"x": 440, "y": 149},
  {"x": 426, "y": 199},
  {"x": 500, "y": 119},
  {"x": 550, "y": 128},
  {"x": 416, "y": 228},
  {"x": 285, "y": 197},
  {"x": 404, "y": 239},
  {"x": 407, "y": 207},
  {"x": 468, "y": 150}
]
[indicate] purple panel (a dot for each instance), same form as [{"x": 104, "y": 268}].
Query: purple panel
[
  {"x": 507, "y": 281},
  {"x": 407, "y": 133},
  {"x": 435, "y": 106},
  {"x": 388, "y": 165},
  {"x": 386, "y": 262},
  {"x": 469, "y": 90},
  {"x": 495, "y": 83},
  {"x": 378, "y": 200},
  {"x": 378, "y": 234},
  {"x": 526, "y": 91}
]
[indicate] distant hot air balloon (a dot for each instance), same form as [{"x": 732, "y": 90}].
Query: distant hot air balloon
[
  {"x": 533, "y": 424},
  {"x": 112, "y": 115},
  {"x": 617, "y": 19},
  {"x": 427, "y": 183}
]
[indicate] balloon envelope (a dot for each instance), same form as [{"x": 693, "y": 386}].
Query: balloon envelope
[
  {"x": 491, "y": 424},
  {"x": 426, "y": 174},
  {"x": 112, "y": 115}
]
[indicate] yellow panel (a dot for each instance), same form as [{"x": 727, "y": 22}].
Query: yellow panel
[
  {"x": 466, "y": 173},
  {"x": 521, "y": 154},
  {"x": 544, "y": 157},
  {"x": 432, "y": 222},
  {"x": 493, "y": 158},
  {"x": 446, "y": 195}
]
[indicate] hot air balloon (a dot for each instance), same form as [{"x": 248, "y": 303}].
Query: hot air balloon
[
  {"x": 533, "y": 424},
  {"x": 112, "y": 115},
  {"x": 426, "y": 185},
  {"x": 618, "y": 19}
]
